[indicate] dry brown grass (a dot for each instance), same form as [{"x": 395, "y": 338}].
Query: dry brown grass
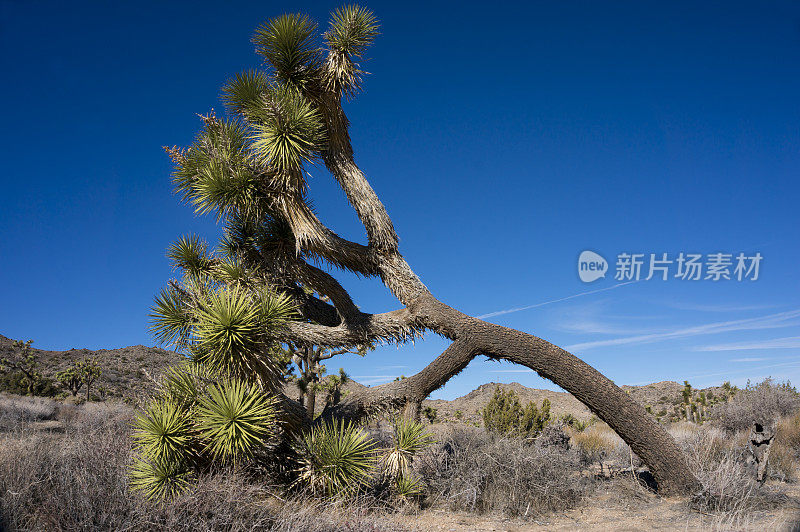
[{"x": 77, "y": 480}]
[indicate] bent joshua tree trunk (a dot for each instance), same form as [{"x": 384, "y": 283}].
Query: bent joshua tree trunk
[
  {"x": 320, "y": 77},
  {"x": 471, "y": 337}
]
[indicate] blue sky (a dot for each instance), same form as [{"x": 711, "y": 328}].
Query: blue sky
[{"x": 504, "y": 140}]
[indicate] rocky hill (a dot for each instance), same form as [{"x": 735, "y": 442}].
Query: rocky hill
[
  {"x": 127, "y": 373},
  {"x": 125, "y": 370},
  {"x": 660, "y": 397}
]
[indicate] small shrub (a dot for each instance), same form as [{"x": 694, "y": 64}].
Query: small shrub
[
  {"x": 15, "y": 410},
  {"x": 430, "y": 414},
  {"x": 472, "y": 471},
  {"x": 764, "y": 402},
  {"x": 504, "y": 415},
  {"x": 335, "y": 459}
]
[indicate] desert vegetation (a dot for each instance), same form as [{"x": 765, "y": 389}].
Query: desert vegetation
[
  {"x": 216, "y": 442},
  {"x": 73, "y": 467}
]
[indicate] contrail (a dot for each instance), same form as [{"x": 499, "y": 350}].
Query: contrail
[{"x": 509, "y": 311}]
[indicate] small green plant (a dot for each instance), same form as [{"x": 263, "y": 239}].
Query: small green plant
[
  {"x": 504, "y": 415},
  {"x": 574, "y": 423},
  {"x": 534, "y": 419},
  {"x": 410, "y": 437},
  {"x": 430, "y": 414},
  {"x": 458, "y": 414},
  {"x": 336, "y": 458}
]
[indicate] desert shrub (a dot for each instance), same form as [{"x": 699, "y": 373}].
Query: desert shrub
[
  {"x": 573, "y": 422},
  {"x": 731, "y": 496},
  {"x": 472, "y": 471},
  {"x": 764, "y": 402},
  {"x": 18, "y": 409},
  {"x": 16, "y": 382},
  {"x": 430, "y": 414},
  {"x": 505, "y": 415},
  {"x": 78, "y": 481},
  {"x": 599, "y": 442}
]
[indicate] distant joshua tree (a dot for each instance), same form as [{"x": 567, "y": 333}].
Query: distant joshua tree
[
  {"x": 233, "y": 305},
  {"x": 85, "y": 371},
  {"x": 308, "y": 361},
  {"x": 25, "y": 362}
]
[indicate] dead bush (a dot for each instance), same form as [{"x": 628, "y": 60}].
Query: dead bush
[
  {"x": 764, "y": 402},
  {"x": 731, "y": 496},
  {"x": 472, "y": 471},
  {"x": 19, "y": 409},
  {"x": 78, "y": 480}
]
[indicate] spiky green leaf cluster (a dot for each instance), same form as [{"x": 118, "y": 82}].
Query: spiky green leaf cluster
[
  {"x": 163, "y": 432},
  {"x": 410, "y": 438},
  {"x": 190, "y": 254},
  {"x": 196, "y": 419},
  {"x": 223, "y": 315},
  {"x": 231, "y": 333},
  {"x": 336, "y": 458},
  {"x": 352, "y": 30},
  {"x": 244, "y": 92},
  {"x": 288, "y": 44},
  {"x": 235, "y": 419},
  {"x": 159, "y": 480},
  {"x": 287, "y": 131},
  {"x": 407, "y": 487}
]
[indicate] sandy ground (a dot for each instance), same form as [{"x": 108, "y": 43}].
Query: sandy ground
[{"x": 615, "y": 508}]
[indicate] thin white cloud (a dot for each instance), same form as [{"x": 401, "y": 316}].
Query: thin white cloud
[
  {"x": 771, "y": 321},
  {"x": 729, "y": 372},
  {"x": 368, "y": 380},
  {"x": 745, "y": 370},
  {"x": 718, "y": 308},
  {"x": 518, "y": 309},
  {"x": 750, "y": 359},
  {"x": 791, "y": 342}
]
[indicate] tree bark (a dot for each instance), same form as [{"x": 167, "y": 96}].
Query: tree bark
[
  {"x": 311, "y": 400},
  {"x": 471, "y": 336},
  {"x": 476, "y": 337}
]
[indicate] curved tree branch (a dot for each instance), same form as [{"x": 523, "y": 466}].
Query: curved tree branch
[{"x": 395, "y": 326}]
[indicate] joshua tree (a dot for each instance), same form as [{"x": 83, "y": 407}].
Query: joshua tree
[
  {"x": 248, "y": 169},
  {"x": 89, "y": 371},
  {"x": 71, "y": 379},
  {"x": 307, "y": 359},
  {"x": 25, "y": 362},
  {"x": 687, "y": 400}
]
